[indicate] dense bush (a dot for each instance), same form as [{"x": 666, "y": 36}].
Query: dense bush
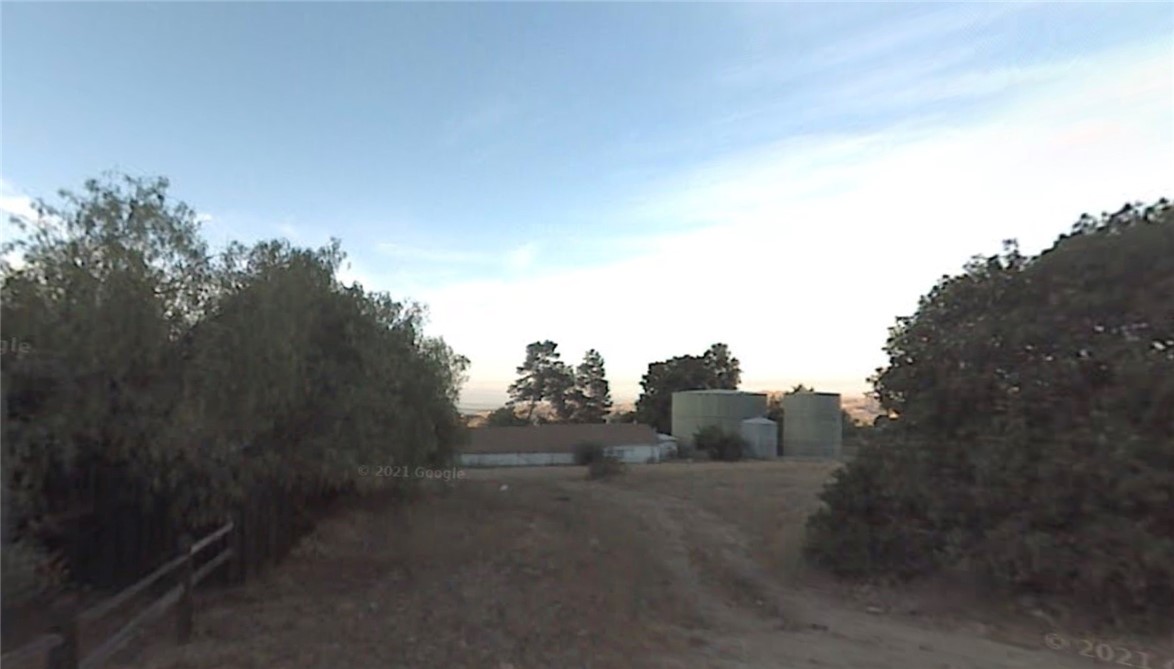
[
  {"x": 1035, "y": 438},
  {"x": 506, "y": 417},
  {"x": 720, "y": 445},
  {"x": 599, "y": 463},
  {"x": 29, "y": 572},
  {"x": 589, "y": 452},
  {"x": 164, "y": 382},
  {"x": 871, "y": 525},
  {"x": 604, "y": 466}
]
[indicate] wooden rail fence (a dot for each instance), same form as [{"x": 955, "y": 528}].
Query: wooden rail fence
[{"x": 61, "y": 649}]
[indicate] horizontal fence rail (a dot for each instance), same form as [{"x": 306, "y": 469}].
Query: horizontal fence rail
[
  {"x": 207, "y": 541},
  {"x": 132, "y": 629},
  {"x": 40, "y": 646},
  {"x": 211, "y": 566},
  {"x": 106, "y": 606},
  {"x": 61, "y": 647}
]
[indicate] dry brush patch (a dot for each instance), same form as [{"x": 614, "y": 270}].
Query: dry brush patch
[{"x": 529, "y": 575}]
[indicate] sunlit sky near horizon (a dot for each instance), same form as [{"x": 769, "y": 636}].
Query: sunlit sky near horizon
[{"x": 643, "y": 179}]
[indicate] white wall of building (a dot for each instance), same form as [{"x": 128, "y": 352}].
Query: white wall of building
[
  {"x": 632, "y": 454},
  {"x": 635, "y": 454},
  {"x": 514, "y": 459}
]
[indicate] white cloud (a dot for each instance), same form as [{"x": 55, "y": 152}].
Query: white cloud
[
  {"x": 350, "y": 274},
  {"x": 814, "y": 245},
  {"x": 521, "y": 258},
  {"x": 291, "y": 233},
  {"x": 864, "y": 47},
  {"x": 13, "y": 202},
  {"x": 438, "y": 260},
  {"x": 442, "y": 256}
]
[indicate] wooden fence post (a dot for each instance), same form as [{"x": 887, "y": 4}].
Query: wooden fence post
[
  {"x": 283, "y": 542},
  {"x": 228, "y": 575},
  {"x": 253, "y": 538},
  {"x": 186, "y": 602},
  {"x": 270, "y": 528},
  {"x": 238, "y": 560},
  {"x": 274, "y": 525},
  {"x": 249, "y": 540},
  {"x": 262, "y": 532},
  {"x": 65, "y": 654}
]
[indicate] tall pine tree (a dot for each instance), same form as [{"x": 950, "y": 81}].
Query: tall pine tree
[
  {"x": 543, "y": 377},
  {"x": 592, "y": 394}
]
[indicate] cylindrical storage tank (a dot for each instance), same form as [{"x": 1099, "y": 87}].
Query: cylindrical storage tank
[
  {"x": 812, "y": 425},
  {"x": 695, "y": 409},
  {"x": 761, "y": 436}
]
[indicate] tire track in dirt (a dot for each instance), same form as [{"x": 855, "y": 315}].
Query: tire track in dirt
[
  {"x": 752, "y": 621},
  {"x": 707, "y": 558}
]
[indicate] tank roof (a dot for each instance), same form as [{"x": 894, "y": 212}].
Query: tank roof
[{"x": 717, "y": 391}]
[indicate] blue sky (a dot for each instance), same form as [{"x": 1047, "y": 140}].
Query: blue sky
[{"x": 644, "y": 179}]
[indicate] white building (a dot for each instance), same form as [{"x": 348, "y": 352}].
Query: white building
[{"x": 546, "y": 445}]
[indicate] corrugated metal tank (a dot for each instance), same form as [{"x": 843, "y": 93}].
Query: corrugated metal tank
[
  {"x": 762, "y": 437},
  {"x": 695, "y": 409},
  {"x": 812, "y": 425}
]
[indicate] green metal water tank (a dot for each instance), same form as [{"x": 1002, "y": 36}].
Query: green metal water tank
[
  {"x": 695, "y": 409},
  {"x": 812, "y": 425}
]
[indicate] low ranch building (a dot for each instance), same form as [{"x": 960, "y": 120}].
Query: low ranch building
[{"x": 545, "y": 445}]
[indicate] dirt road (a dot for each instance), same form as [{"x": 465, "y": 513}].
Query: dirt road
[{"x": 671, "y": 566}]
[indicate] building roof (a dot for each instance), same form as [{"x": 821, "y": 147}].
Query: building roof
[{"x": 556, "y": 438}]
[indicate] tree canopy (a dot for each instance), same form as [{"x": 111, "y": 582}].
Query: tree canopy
[
  {"x": 542, "y": 378},
  {"x": 505, "y": 417},
  {"x": 591, "y": 398},
  {"x": 565, "y": 394},
  {"x": 715, "y": 369},
  {"x": 159, "y": 372}
]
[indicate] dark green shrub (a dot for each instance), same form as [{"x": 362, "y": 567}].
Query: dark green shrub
[
  {"x": 589, "y": 452},
  {"x": 154, "y": 361},
  {"x": 30, "y": 572},
  {"x": 875, "y": 519},
  {"x": 720, "y": 445},
  {"x": 604, "y": 467},
  {"x": 506, "y": 417},
  {"x": 1096, "y": 524},
  {"x": 1034, "y": 444}
]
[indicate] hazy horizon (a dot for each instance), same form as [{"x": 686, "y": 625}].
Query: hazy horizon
[{"x": 491, "y": 397}]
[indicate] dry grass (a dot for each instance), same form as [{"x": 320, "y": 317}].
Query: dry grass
[
  {"x": 673, "y": 565},
  {"x": 475, "y": 577}
]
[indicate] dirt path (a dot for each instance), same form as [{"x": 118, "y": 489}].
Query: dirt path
[
  {"x": 672, "y": 566},
  {"x": 766, "y": 624}
]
